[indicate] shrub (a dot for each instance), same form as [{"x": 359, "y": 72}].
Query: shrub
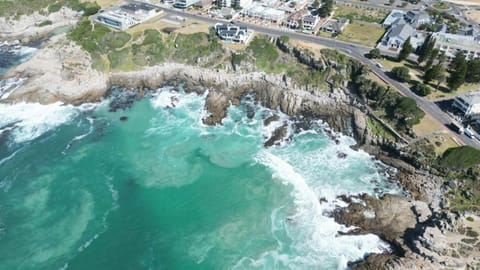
[
  {"x": 90, "y": 8},
  {"x": 470, "y": 219},
  {"x": 401, "y": 73},
  {"x": 422, "y": 89},
  {"x": 375, "y": 53},
  {"x": 45, "y": 23},
  {"x": 54, "y": 7}
]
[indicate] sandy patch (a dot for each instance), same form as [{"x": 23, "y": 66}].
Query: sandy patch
[
  {"x": 473, "y": 15},
  {"x": 314, "y": 48},
  {"x": 465, "y": 2}
]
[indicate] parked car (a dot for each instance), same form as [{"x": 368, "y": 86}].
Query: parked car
[
  {"x": 456, "y": 127},
  {"x": 469, "y": 133}
]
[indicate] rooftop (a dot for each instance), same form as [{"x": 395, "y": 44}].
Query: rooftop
[
  {"x": 404, "y": 31},
  {"x": 467, "y": 42},
  {"x": 393, "y": 16},
  {"x": 471, "y": 97}
]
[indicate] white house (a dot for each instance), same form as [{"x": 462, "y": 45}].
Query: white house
[
  {"x": 234, "y": 3},
  {"x": 309, "y": 22},
  {"x": 259, "y": 11},
  {"x": 232, "y": 33},
  {"x": 469, "y": 104},
  {"x": 184, "y": 3}
]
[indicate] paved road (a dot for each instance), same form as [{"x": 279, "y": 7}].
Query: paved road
[{"x": 354, "y": 50}]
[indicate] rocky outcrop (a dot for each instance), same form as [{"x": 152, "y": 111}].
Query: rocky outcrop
[
  {"x": 278, "y": 136},
  {"x": 414, "y": 232},
  {"x": 61, "y": 71},
  {"x": 26, "y": 28},
  {"x": 302, "y": 56}
]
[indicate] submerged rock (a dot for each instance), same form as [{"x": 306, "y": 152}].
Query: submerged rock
[
  {"x": 278, "y": 136},
  {"x": 271, "y": 119}
]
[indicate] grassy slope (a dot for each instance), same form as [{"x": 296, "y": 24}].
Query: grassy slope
[{"x": 460, "y": 157}]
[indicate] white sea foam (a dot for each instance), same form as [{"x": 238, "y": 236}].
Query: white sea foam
[
  {"x": 314, "y": 236},
  {"x": 80, "y": 137},
  {"x": 9, "y": 85},
  {"x": 31, "y": 120}
]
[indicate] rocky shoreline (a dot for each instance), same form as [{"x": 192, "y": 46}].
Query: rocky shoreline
[{"x": 423, "y": 235}]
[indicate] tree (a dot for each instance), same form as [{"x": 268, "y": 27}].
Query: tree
[
  {"x": 473, "y": 71},
  {"x": 426, "y": 49},
  {"x": 407, "y": 112},
  {"x": 442, "y": 58},
  {"x": 375, "y": 53},
  {"x": 316, "y": 4},
  {"x": 422, "y": 89},
  {"x": 458, "y": 72},
  {"x": 431, "y": 58},
  {"x": 401, "y": 73},
  {"x": 326, "y": 8},
  {"x": 433, "y": 73},
  {"x": 407, "y": 49}
]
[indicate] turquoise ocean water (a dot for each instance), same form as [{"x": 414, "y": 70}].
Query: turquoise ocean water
[{"x": 81, "y": 189}]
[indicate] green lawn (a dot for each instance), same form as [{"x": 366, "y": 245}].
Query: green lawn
[{"x": 365, "y": 34}]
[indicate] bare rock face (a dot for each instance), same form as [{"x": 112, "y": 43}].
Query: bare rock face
[
  {"x": 26, "y": 27},
  {"x": 216, "y": 104},
  {"x": 417, "y": 235},
  {"x": 61, "y": 71}
]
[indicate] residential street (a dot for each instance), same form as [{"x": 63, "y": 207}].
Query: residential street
[{"x": 353, "y": 50}]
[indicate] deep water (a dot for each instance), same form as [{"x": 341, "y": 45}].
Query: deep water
[{"x": 82, "y": 189}]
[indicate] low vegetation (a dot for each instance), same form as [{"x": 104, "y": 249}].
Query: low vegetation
[
  {"x": 360, "y": 14},
  {"x": 460, "y": 157},
  {"x": 16, "y": 8}
]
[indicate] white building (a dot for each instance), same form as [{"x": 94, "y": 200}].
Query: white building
[
  {"x": 185, "y": 3},
  {"x": 117, "y": 20},
  {"x": 309, "y": 22},
  {"x": 469, "y": 104},
  {"x": 264, "y": 13},
  {"x": 451, "y": 44},
  {"x": 232, "y": 33},
  {"x": 234, "y": 3},
  {"x": 127, "y": 15}
]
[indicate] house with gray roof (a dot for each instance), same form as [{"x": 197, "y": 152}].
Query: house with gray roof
[
  {"x": 416, "y": 18},
  {"x": 392, "y": 17},
  {"x": 397, "y": 34},
  {"x": 334, "y": 26}
]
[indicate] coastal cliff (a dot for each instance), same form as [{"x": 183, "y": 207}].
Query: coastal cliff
[{"x": 61, "y": 71}]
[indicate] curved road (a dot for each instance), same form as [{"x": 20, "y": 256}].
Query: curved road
[{"x": 353, "y": 50}]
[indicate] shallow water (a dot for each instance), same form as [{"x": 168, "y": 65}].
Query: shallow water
[{"x": 81, "y": 189}]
